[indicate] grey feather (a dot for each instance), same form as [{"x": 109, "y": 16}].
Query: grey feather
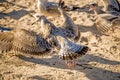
[
  {"x": 21, "y": 40},
  {"x": 70, "y": 50}
]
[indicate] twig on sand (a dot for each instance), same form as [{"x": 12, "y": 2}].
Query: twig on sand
[{"x": 82, "y": 65}]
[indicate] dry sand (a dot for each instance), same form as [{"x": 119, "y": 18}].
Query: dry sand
[{"x": 101, "y": 63}]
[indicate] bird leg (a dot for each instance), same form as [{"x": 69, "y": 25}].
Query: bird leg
[{"x": 70, "y": 63}]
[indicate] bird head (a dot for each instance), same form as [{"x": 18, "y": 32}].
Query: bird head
[{"x": 93, "y": 6}]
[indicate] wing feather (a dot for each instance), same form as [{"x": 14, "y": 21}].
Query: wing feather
[
  {"x": 104, "y": 23},
  {"x": 6, "y": 39},
  {"x": 29, "y": 42},
  {"x": 70, "y": 50}
]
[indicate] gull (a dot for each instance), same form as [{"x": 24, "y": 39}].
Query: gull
[
  {"x": 68, "y": 49},
  {"x": 105, "y": 22}
]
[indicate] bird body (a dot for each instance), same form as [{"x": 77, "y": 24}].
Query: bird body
[
  {"x": 51, "y": 29},
  {"x": 68, "y": 24}
]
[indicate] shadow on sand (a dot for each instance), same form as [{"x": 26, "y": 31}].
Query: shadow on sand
[
  {"x": 93, "y": 73},
  {"x": 2, "y": 29},
  {"x": 11, "y": 3},
  {"x": 37, "y": 78},
  {"x": 15, "y": 14}
]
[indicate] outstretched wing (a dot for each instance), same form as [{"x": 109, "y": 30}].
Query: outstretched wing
[
  {"x": 104, "y": 22},
  {"x": 28, "y": 42},
  {"x": 69, "y": 24},
  {"x": 74, "y": 52},
  {"x": 70, "y": 50},
  {"x": 6, "y": 39},
  {"x": 67, "y": 54}
]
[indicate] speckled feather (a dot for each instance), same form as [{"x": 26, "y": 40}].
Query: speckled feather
[
  {"x": 70, "y": 50},
  {"x": 21, "y": 40},
  {"x": 55, "y": 31}
]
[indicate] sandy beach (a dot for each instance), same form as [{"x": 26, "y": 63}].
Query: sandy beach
[{"x": 102, "y": 62}]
